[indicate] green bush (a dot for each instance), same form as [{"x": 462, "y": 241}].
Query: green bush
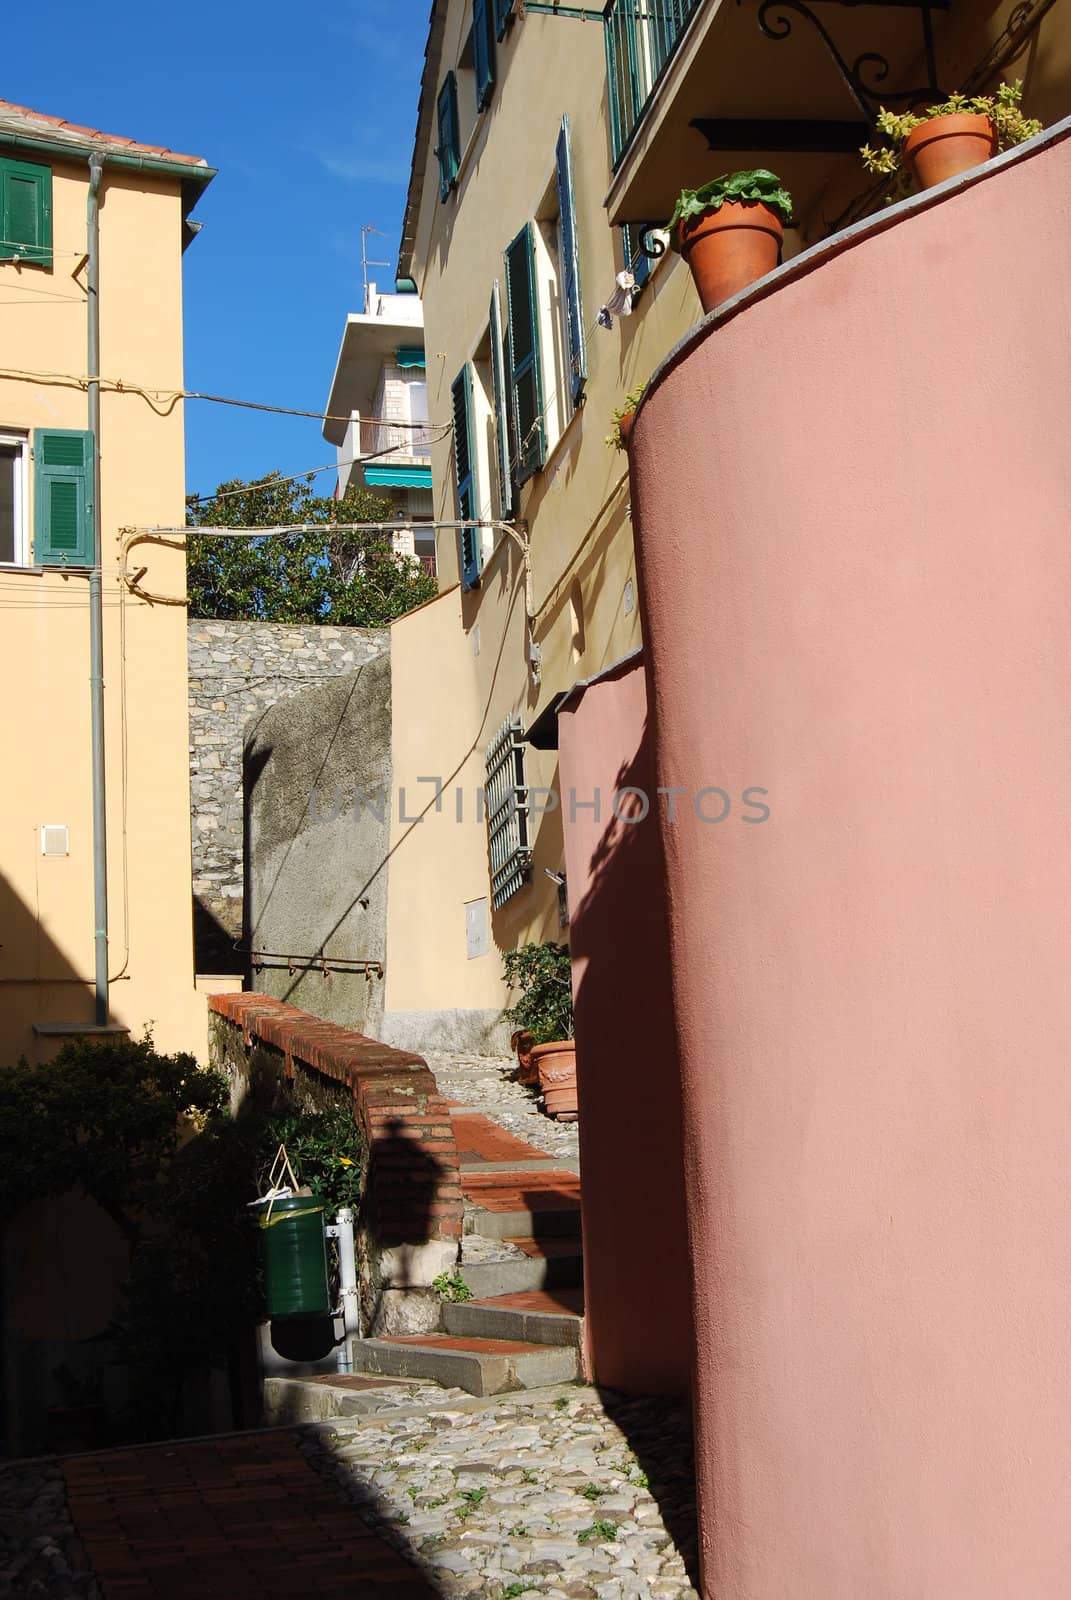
[{"x": 543, "y": 974}]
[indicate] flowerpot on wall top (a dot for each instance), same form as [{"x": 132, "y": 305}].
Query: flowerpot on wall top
[
  {"x": 729, "y": 248},
  {"x": 943, "y": 147}
]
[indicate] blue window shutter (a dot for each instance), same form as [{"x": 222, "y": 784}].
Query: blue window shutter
[
  {"x": 503, "y": 17},
  {"x": 502, "y": 427},
  {"x": 526, "y": 386},
  {"x": 483, "y": 51},
  {"x": 63, "y": 498},
  {"x": 574, "y": 311},
  {"x": 25, "y": 212},
  {"x": 468, "y": 500},
  {"x": 449, "y": 151}
]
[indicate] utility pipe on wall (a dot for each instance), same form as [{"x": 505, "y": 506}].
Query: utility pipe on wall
[{"x": 96, "y": 605}]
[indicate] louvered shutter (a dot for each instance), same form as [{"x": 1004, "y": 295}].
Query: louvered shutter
[
  {"x": 25, "y": 212},
  {"x": 469, "y": 540},
  {"x": 503, "y": 14},
  {"x": 574, "y": 314},
  {"x": 483, "y": 51},
  {"x": 449, "y": 151},
  {"x": 526, "y": 389},
  {"x": 63, "y": 498},
  {"x": 502, "y": 427}
]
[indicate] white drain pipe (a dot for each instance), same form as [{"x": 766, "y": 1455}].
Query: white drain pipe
[{"x": 350, "y": 1293}]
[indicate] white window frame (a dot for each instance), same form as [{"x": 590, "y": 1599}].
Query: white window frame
[{"x": 21, "y": 552}]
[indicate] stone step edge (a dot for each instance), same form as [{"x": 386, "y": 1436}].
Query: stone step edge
[
  {"x": 479, "y": 1320},
  {"x": 557, "y": 1223},
  {"x": 479, "y": 1372}
]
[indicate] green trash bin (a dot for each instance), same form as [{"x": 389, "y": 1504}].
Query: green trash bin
[{"x": 294, "y": 1252}]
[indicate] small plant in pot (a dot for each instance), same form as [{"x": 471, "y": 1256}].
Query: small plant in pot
[
  {"x": 949, "y": 138},
  {"x": 543, "y": 1019},
  {"x": 618, "y": 437},
  {"x": 730, "y": 231}
]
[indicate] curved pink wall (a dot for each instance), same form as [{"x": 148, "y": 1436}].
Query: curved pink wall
[
  {"x": 637, "y": 1299},
  {"x": 853, "y": 509}
]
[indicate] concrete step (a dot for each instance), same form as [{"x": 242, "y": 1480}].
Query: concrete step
[
  {"x": 544, "y": 1224},
  {"x": 505, "y": 1205},
  {"x": 478, "y": 1365},
  {"x": 531, "y": 1264},
  {"x": 539, "y": 1317}
]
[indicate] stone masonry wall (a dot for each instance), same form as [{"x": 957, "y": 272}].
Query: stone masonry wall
[{"x": 237, "y": 671}]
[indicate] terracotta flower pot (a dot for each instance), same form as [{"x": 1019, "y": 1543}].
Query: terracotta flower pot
[
  {"x": 624, "y": 428},
  {"x": 523, "y": 1044},
  {"x": 729, "y": 248},
  {"x": 946, "y": 146},
  {"x": 556, "y": 1066}
]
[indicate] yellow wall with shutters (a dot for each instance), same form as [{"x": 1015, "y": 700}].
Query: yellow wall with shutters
[{"x": 46, "y": 905}]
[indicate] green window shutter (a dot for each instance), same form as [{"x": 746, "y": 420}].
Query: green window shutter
[
  {"x": 25, "y": 212},
  {"x": 526, "y": 387},
  {"x": 63, "y": 498},
  {"x": 483, "y": 51},
  {"x": 449, "y": 151},
  {"x": 574, "y": 313},
  {"x": 468, "y": 500},
  {"x": 503, "y": 16},
  {"x": 502, "y": 427}
]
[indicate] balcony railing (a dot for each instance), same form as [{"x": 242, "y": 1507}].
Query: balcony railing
[{"x": 641, "y": 36}]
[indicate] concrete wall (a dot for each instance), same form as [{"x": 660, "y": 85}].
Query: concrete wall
[
  {"x": 317, "y": 866},
  {"x": 237, "y": 670},
  {"x": 638, "y": 1310},
  {"x": 851, "y": 500},
  {"x": 46, "y": 905}
]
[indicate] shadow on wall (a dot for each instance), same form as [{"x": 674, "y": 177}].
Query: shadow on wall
[
  {"x": 214, "y": 951},
  {"x": 631, "y": 1137},
  {"x": 37, "y": 981}
]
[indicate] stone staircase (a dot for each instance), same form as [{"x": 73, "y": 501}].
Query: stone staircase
[{"x": 522, "y": 1261}]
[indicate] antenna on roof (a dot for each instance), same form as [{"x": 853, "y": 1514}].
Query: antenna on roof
[{"x": 365, "y": 262}]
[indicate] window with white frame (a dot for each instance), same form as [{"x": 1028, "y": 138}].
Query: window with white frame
[{"x": 14, "y": 529}]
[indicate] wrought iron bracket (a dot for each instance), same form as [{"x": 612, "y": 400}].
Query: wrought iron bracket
[
  {"x": 654, "y": 249},
  {"x": 866, "y": 77}
]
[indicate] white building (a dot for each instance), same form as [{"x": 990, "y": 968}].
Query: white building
[{"x": 380, "y": 385}]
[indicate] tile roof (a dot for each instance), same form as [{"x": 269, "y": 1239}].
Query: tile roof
[{"x": 22, "y": 120}]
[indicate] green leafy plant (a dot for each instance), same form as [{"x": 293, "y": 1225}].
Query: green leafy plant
[
  {"x": 530, "y": 1475},
  {"x": 591, "y": 1491},
  {"x": 543, "y": 974},
  {"x": 320, "y": 575},
  {"x": 1002, "y": 108},
  {"x": 625, "y": 409},
  {"x": 451, "y": 1286},
  {"x": 601, "y": 1531},
  {"x": 516, "y": 1588},
  {"x": 746, "y": 187},
  {"x": 470, "y": 1502}
]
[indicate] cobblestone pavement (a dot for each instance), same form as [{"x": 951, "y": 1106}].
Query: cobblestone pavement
[
  {"x": 486, "y": 1084},
  {"x": 40, "y": 1554},
  {"x": 555, "y": 1492}
]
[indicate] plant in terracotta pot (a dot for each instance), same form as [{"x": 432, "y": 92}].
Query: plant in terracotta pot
[
  {"x": 730, "y": 231},
  {"x": 618, "y": 437},
  {"x": 543, "y": 1018},
  {"x": 949, "y": 138}
]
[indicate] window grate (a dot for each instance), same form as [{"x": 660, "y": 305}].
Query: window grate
[{"x": 508, "y": 832}]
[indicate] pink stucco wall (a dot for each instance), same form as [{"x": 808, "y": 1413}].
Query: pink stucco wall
[
  {"x": 853, "y": 511},
  {"x": 638, "y": 1311}
]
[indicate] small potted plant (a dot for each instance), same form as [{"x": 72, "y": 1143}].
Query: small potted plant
[
  {"x": 949, "y": 138},
  {"x": 543, "y": 1017},
  {"x": 618, "y": 437},
  {"x": 730, "y": 231}
]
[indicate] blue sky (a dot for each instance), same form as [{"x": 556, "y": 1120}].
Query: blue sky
[{"x": 308, "y": 111}]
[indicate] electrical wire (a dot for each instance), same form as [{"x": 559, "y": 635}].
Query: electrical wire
[{"x": 311, "y": 472}]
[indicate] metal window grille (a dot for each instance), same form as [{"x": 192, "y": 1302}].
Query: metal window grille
[
  {"x": 641, "y": 35},
  {"x": 508, "y": 832}
]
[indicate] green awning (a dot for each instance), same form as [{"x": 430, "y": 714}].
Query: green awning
[
  {"x": 399, "y": 476},
  {"x": 411, "y": 355}
]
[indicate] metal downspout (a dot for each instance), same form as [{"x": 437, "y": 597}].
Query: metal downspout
[{"x": 96, "y": 603}]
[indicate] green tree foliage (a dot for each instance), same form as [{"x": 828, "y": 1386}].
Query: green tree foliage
[
  {"x": 543, "y": 974},
  {"x": 322, "y": 575}
]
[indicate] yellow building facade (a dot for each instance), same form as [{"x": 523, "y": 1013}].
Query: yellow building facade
[
  {"x": 50, "y": 929},
  {"x": 549, "y": 136}
]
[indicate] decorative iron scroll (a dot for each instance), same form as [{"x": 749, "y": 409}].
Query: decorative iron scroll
[{"x": 866, "y": 76}]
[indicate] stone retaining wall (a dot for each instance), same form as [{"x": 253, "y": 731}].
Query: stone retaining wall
[
  {"x": 409, "y": 1219},
  {"x": 237, "y": 670}
]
